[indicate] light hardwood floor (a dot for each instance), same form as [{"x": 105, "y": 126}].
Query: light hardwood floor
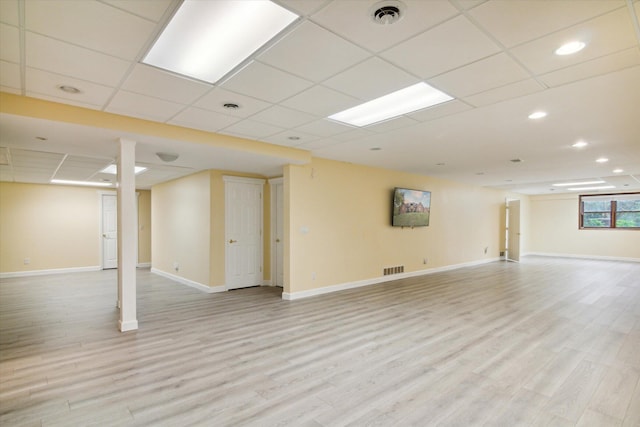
[{"x": 544, "y": 342}]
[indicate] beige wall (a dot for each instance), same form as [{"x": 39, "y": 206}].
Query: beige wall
[
  {"x": 337, "y": 221},
  {"x": 57, "y": 227},
  {"x": 554, "y": 230},
  {"x": 181, "y": 226}
]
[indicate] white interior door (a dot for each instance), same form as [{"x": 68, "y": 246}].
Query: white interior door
[
  {"x": 513, "y": 230},
  {"x": 278, "y": 234},
  {"x": 243, "y": 232},
  {"x": 109, "y": 231}
]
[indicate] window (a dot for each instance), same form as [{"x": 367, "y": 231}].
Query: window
[{"x": 620, "y": 211}]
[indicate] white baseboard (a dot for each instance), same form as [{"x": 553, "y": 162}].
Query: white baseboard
[
  {"x": 580, "y": 256},
  {"x": 376, "y": 280},
  {"x": 191, "y": 283},
  {"x": 267, "y": 283},
  {"x": 130, "y": 325},
  {"x": 50, "y": 271},
  {"x": 143, "y": 265}
]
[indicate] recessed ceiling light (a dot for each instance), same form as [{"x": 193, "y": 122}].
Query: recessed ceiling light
[
  {"x": 601, "y": 187},
  {"x": 403, "y": 101},
  {"x": 580, "y": 144},
  {"x": 516, "y": 160},
  {"x": 113, "y": 169},
  {"x": 293, "y": 138},
  {"x": 602, "y": 160},
  {"x": 479, "y": 173},
  {"x": 231, "y": 105},
  {"x": 618, "y": 170},
  {"x": 387, "y": 12},
  {"x": 41, "y": 138},
  {"x": 569, "y": 184},
  {"x": 570, "y": 48},
  {"x": 440, "y": 164},
  {"x": 85, "y": 183},
  {"x": 69, "y": 89},
  {"x": 375, "y": 149},
  {"x": 207, "y": 39},
  {"x": 537, "y": 115}
]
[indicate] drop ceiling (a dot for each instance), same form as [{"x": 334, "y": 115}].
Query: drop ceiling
[{"x": 494, "y": 57}]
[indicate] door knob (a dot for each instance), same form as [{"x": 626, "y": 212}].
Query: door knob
[
  {"x": 277, "y": 240},
  {"x": 232, "y": 241}
]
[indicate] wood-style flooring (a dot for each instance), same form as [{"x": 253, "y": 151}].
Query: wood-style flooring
[{"x": 547, "y": 342}]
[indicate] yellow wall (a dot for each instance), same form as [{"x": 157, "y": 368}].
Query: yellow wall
[
  {"x": 337, "y": 221},
  {"x": 57, "y": 227},
  {"x": 144, "y": 226},
  {"x": 554, "y": 221},
  {"x": 180, "y": 226}
]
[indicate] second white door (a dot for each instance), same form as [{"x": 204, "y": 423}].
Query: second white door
[{"x": 243, "y": 232}]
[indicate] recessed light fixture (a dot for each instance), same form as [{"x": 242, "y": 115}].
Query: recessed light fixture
[
  {"x": 84, "y": 183},
  {"x": 537, "y": 115},
  {"x": 580, "y": 144},
  {"x": 570, "y": 184},
  {"x": 602, "y": 160},
  {"x": 618, "y": 170},
  {"x": 41, "y": 138},
  {"x": 293, "y": 138},
  {"x": 207, "y": 39},
  {"x": 231, "y": 105},
  {"x": 570, "y": 48},
  {"x": 516, "y": 160},
  {"x": 113, "y": 169},
  {"x": 403, "y": 101},
  {"x": 600, "y": 187},
  {"x": 375, "y": 149},
  {"x": 440, "y": 164},
  {"x": 69, "y": 89},
  {"x": 479, "y": 173},
  {"x": 387, "y": 12}
]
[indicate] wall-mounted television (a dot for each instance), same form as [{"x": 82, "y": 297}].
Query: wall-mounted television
[{"x": 411, "y": 208}]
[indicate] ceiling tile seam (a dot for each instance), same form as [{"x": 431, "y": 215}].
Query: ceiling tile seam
[
  {"x": 634, "y": 19},
  {"x": 100, "y": 169},
  {"x": 587, "y": 62},
  {"x": 504, "y": 49},
  {"x": 22, "y": 47},
  {"x": 59, "y": 166},
  {"x": 128, "y": 12}
]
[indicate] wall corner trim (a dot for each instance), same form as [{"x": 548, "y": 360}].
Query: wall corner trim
[
  {"x": 190, "y": 283},
  {"x": 49, "y": 271},
  {"x": 374, "y": 281}
]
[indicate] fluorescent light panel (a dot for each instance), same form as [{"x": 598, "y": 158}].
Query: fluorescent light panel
[
  {"x": 207, "y": 39},
  {"x": 113, "y": 169},
  {"x": 601, "y": 187},
  {"x": 569, "y": 184},
  {"x": 85, "y": 183}
]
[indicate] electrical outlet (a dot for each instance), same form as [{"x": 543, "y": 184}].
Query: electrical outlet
[
  {"x": 176, "y": 266},
  {"x": 425, "y": 261},
  {"x": 313, "y": 276},
  {"x": 27, "y": 261},
  {"x": 486, "y": 249}
]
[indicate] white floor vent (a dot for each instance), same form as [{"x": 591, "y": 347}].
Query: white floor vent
[{"x": 394, "y": 270}]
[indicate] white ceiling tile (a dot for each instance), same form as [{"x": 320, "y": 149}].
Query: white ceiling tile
[
  {"x": 44, "y": 83},
  {"x": 312, "y": 52},
  {"x": 144, "y": 107},
  {"x": 90, "y": 24},
  {"x": 319, "y": 143},
  {"x": 470, "y": 4},
  {"x": 152, "y": 81},
  {"x": 9, "y": 12},
  {"x": 516, "y": 22},
  {"x": 9, "y": 43},
  {"x": 62, "y": 100},
  {"x": 10, "y": 75},
  {"x": 352, "y": 20},
  {"x": 265, "y": 82},
  {"x": 290, "y": 138},
  {"x": 252, "y": 129},
  {"x": 595, "y": 67},
  {"x": 446, "y": 109},
  {"x": 371, "y": 79},
  {"x": 325, "y": 128},
  {"x": 62, "y": 58},
  {"x": 391, "y": 124},
  {"x": 149, "y": 9},
  {"x": 465, "y": 43},
  {"x": 321, "y": 101},
  {"x": 503, "y": 93},
  {"x": 215, "y": 100},
  {"x": 203, "y": 119},
  {"x": 284, "y": 117},
  {"x": 303, "y": 8},
  {"x": 495, "y": 71},
  {"x": 604, "y": 35},
  {"x": 80, "y": 168}
]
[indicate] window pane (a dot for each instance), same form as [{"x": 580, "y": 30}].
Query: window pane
[
  {"x": 628, "y": 219},
  {"x": 596, "y": 219},
  {"x": 628, "y": 205},
  {"x": 597, "y": 205}
]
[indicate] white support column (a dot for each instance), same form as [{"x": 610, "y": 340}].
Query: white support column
[{"x": 127, "y": 236}]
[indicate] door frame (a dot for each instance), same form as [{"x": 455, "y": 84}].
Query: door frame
[
  {"x": 508, "y": 230},
  {"x": 242, "y": 180},
  {"x": 274, "y": 182}
]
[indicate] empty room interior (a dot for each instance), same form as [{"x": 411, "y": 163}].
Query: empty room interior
[{"x": 320, "y": 212}]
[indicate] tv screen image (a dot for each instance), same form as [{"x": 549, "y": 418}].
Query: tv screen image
[{"x": 411, "y": 208}]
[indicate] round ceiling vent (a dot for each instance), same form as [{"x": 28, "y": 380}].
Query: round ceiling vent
[{"x": 387, "y": 12}]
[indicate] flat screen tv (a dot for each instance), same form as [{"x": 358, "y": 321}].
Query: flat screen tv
[{"x": 411, "y": 208}]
